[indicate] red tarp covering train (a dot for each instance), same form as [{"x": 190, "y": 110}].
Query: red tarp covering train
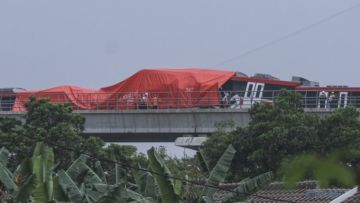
[
  {"x": 187, "y": 88},
  {"x": 165, "y": 88}
]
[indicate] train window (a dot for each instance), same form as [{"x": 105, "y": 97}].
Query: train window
[
  {"x": 259, "y": 90},
  {"x": 342, "y": 99},
  {"x": 323, "y": 99},
  {"x": 249, "y": 89}
]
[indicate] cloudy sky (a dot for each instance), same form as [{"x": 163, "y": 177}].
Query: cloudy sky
[
  {"x": 93, "y": 44},
  {"x": 97, "y": 43}
]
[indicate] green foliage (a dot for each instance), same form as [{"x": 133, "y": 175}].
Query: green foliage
[
  {"x": 162, "y": 174},
  {"x": 33, "y": 178},
  {"x": 69, "y": 187},
  {"x": 11, "y": 138},
  {"x": 42, "y": 163},
  {"x": 340, "y": 130},
  {"x": 145, "y": 183},
  {"x": 55, "y": 123},
  {"x": 219, "y": 172},
  {"x": 55, "y": 175},
  {"x": 249, "y": 185},
  {"x": 282, "y": 130},
  {"x": 327, "y": 170}
]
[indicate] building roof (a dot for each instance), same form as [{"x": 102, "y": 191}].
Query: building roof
[{"x": 304, "y": 192}]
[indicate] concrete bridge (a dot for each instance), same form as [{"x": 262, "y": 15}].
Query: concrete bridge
[{"x": 159, "y": 125}]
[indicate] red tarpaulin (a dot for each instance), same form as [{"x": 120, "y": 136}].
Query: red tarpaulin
[{"x": 167, "y": 88}]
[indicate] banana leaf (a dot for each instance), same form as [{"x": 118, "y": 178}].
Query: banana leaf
[
  {"x": 218, "y": 173},
  {"x": 115, "y": 195},
  {"x": 249, "y": 185},
  {"x": 4, "y": 156},
  {"x": 70, "y": 188},
  {"x": 204, "y": 163},
  {"x": 42, "y": 163},
  {"x": 78, "y": 167},
  {"x": 146, "y": 184},
  {"x": 59, "y": 194},
  {"x": 80, "y": 172},
  {"x": 161, "y": 175},
  {"x": 100, "y": 171},
  {"x": 26, "y": 189},
  {"x": 7, "y": 179},
  {"x": 138, "y": 198}
]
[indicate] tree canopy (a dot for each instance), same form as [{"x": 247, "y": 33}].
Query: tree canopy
[
  {"x": 47, "y": 122},
  {"x": 281, "y": 130}
]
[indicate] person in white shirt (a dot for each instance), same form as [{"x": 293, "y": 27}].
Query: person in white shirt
[{"x": 237, "y": 102}]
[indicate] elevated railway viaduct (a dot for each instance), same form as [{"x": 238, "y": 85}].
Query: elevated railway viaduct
[{"x": 159, "y": 125}]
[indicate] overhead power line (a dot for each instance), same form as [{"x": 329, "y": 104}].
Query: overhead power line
[
  {"x": 289, "y": 35},
  {"x": 128, "y": 166}
]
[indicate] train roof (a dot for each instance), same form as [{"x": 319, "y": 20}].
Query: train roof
[
  {"x": 329, "y": 88},
  {"x": 266, "y": 81}
]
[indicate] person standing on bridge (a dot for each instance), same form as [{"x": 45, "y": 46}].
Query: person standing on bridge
[
  {"x": 144, "y": 101},
  {"x": 155, "y": 102}
]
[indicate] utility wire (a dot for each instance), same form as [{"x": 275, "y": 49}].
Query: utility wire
[
  {"x": 128, "y": 166},
  {"x": 289, "y": 35}
]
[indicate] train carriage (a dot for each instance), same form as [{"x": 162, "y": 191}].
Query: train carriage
[
  {"x": 256, "y": 89},
  {"x": 329, "y": 96},
  {"x": 186, "y": 88}
]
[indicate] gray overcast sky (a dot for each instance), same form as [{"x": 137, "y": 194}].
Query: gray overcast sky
[{"x": 97, "y": 43}]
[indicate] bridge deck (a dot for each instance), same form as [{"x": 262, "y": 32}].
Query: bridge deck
[{"x": 159, "y": 125}]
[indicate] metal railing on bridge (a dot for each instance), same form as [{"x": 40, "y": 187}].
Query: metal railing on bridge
[{"x": 174, "y": 100}]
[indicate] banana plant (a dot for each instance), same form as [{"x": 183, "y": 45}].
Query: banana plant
[
  {"x": 168, "y": 189},
  {"x": 82, "y": 184},
  {"x": 218, "y": 174},
  {"x": 167, "y": 185},
  {"x": 145, "y": 184},
  {"x": 33, "y": 178},
  {"x": 162, "y": 177},
  {"x": 247, "y": 186}
]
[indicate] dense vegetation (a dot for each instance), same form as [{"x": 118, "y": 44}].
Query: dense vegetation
[
  {"x": 66, "y": 167},
  {"x": 279, "y": 131}
]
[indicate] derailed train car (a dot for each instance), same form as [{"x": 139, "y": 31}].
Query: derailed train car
[
  {"x": 258, "y": 88},
  {"x": 329, "y": 96},
  {"x": 186, "y": 88}
]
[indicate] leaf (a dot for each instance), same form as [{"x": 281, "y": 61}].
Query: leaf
[
  {"x": 219, "y": 172},
  {"x": 116, "y": 195},
  {"x": 59, "y": 194},
  {"x": 42, "y": 163},
  {"x": 70, "y": 188},
  {"x": 80, "y": 172},
  {"x": 26, "y": 189},
  {"x": 146, "y": 184},
  {"x": 23, "y": 170},
  {"x": 138, "y": 197},
  {"x": 100, "y": 171},
  {"x": 203, "y": 160},
  {"x": 97, "y": 190},
  {"x": 207, "y": 199},
  {"x": 78, "y": 167},
  {"x": 178, "y": 187},
  {"x": 162, "y": 174},
  {"x": 248, "y": 185},
  {"x": 140, "y": 179},
  {"x": 6, "y": 178},
  {"x": 151, "y": 189},
  {"x": 4, "y": 156}
]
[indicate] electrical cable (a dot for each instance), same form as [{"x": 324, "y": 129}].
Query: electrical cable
[{"x": 289, "y": 35}]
